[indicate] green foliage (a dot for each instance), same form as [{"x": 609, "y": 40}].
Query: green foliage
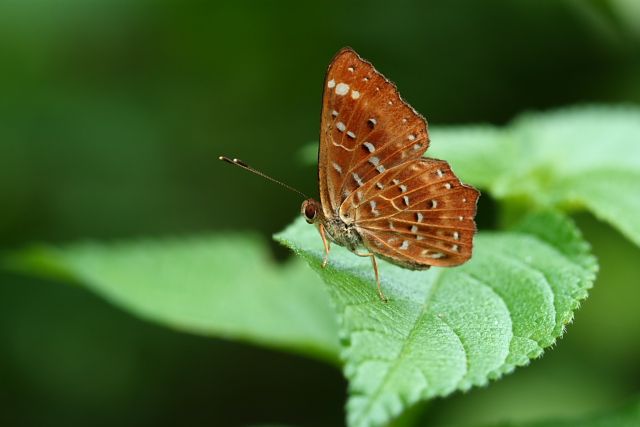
[
  {"x": 111, "y": 116},
  {"x": 224, "y": 286},
  {"x": 628, "y": 416},
  {"x": 575, "y": 158},
  {"x": 450, "y": 329},
  {"x": 444, "y": 329}
]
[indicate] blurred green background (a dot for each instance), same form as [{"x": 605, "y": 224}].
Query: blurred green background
[{"x": 112, "y": 114}]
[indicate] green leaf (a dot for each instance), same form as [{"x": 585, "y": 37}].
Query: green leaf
[
  {"x": 224, "y": 286},
  {"x": 450, "y": 329},
  {"x": 574, "y": 158},
  {"x": 628, "y": 416}
]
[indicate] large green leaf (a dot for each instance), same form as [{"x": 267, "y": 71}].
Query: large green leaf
[
  {"x": 224, "y": 286},
  {"x": 574, "y": 158},
  {"x": 450, "y": 329}
]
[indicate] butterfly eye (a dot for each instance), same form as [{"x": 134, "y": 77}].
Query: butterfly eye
[{"x": 310, "y": 212}]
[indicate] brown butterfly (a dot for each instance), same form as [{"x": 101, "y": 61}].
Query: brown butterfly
[{"x": 377, "y": 192}]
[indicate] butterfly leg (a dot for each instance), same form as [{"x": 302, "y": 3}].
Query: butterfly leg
[
  {"x": 327, "y": 246},
  {"x": 374, "y": 263}
]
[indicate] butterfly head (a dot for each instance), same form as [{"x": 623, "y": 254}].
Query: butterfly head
[{"x": 310, "y": 210}]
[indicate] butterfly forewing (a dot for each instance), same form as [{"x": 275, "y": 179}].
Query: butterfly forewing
[{"x": 366, "y": 129}]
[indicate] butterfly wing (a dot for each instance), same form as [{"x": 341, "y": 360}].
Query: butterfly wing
[
  {"x": 409, "y": 210},
  {"x": 366, "y": 129},
  {"x": 417, "y": 214}
]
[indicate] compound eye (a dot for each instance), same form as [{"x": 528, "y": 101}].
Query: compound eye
[{"x": 310, "y": 212}]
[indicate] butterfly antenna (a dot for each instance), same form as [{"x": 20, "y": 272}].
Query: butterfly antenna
[{"x": 246, "y": 167}]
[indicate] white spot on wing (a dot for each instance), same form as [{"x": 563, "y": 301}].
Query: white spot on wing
[
  {"x": 434, "y": 204},
  {"x": 380, "y": 168},
  {"x": 351, "y": 135},
  {"x": 405, "y": 245},
  {"x": 341, "y": 126},
  {"x": 373, "y": 122},
  {"x": 416, "y": 147},
  {"x": 331, "y": 84},
  {"x": 355, "y": 94},
  {"x": 396, "y": 181},
  {"x": 439, "y": 173},
  {"x": 379, "y": 185},
  {"x": 369, "y": 146},
  {"x": 435, "y": 255},
  {"x": 411, "y": 137},
  {"x": 337, "y": 167},
  {"x": 342, "y": 89},
  {"x": 406, "y": 200},
  {"x": 374, "y": 161},
  {"x": 350, "y": 69},
  {"x": 414, "y": 228},
  {"x": 372, "y": 203},
  {"x": 357, "y": 178},
  {"x": 419, "y": 216},
  {"x": 454, "y": 248},
  {"x": 334, "y": 113},
  {"x": 447, "y": 186},
  {"x": 456, "y": 235},
  {"x": 403, "y": 188}
]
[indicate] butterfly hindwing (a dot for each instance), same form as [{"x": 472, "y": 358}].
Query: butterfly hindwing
[{"x": 416, "y": 214}]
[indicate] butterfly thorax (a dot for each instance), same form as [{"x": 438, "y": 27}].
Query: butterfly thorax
[{"x": 342, "y": 233}]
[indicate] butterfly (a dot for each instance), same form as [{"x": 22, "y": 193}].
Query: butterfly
[{"x": 379, "y": 197}]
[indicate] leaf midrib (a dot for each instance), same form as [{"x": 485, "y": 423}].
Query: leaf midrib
[{"x": 405, "y": 344}]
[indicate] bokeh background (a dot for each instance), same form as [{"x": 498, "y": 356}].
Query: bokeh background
[{"x": 112, "y": 114}]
